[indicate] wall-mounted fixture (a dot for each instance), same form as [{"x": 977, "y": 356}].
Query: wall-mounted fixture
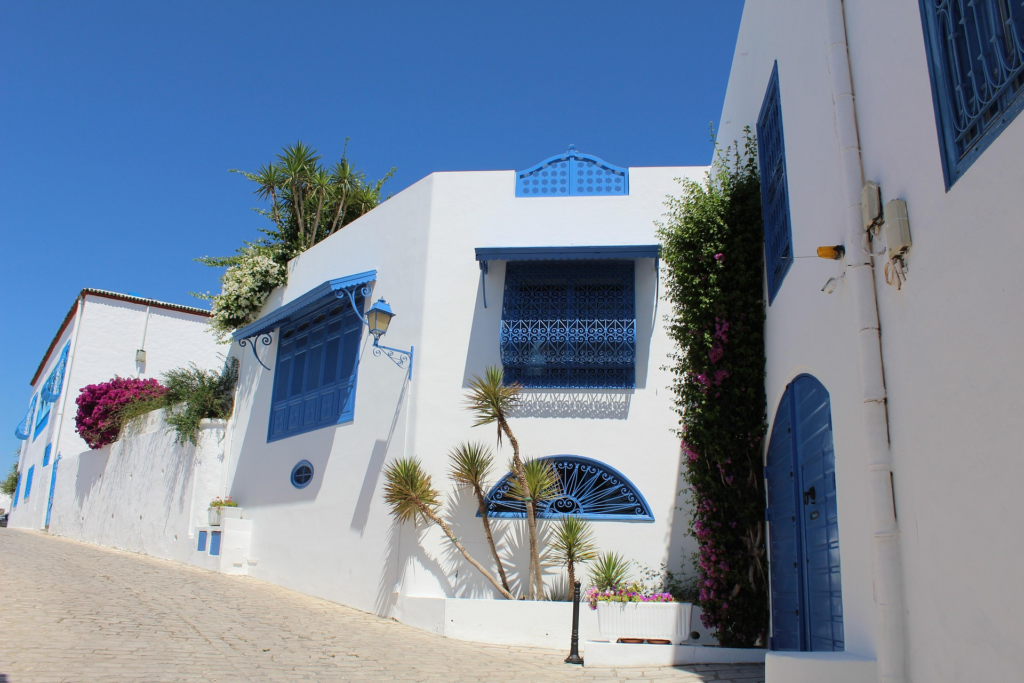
[
  {"x": 897, "y": 228},
  {"x": 140, "y": 356},
  {"x": 832, "y": 283},
  {"x": 834, "y": 253},
  {"x": 377, "y": 319}
]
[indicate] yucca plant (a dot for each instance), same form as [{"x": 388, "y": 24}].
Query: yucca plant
[
  {"x": 609, "y": 571},
  {"x": 491, "y": 401},
  {"x": 572, "y": 544},
  {"x": 470, "y": 466},
  {"x": 410, "y": 493},
  {"x": 541, "y": 481}
]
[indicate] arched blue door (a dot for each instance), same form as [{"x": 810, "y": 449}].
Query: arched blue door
[{"x": 807, "y": 597}]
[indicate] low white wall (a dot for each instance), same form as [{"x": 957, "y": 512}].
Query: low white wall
[{"x": 144, "y": 493}]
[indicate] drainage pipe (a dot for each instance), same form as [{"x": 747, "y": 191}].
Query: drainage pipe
[{"x": 888, "y": 579}]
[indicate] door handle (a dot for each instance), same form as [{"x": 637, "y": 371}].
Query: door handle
[{"x": 809, "y": 496}]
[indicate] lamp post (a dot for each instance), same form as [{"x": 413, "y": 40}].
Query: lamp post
[{"x": 574, "y": 647}]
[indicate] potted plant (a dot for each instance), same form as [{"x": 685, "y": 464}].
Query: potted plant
[
  {"x": 215, "y": 510},
  {"x": 629, "y": 612}
]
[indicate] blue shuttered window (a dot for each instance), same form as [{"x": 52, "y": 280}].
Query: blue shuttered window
[
  {"x": 46, "y": 454},
  {"x": 771, "y": 153},
  {"x": 17, "y": 491},
  {"x": 569, "y": 324},
  {"x": 42, "y": 417},
  {"x": 24, "y": 429},
  {"x": 976, "y": 58},
  {"x": 315, "y": 375},
  {"x": 28, "y": 482}
]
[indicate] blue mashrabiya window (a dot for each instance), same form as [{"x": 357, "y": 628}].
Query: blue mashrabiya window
[
  {"x": 569, "y": 324},
  {"x": 315, "y": 375}
]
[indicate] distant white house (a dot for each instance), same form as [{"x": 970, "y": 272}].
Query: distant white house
[
  {"x": 893, "y": 467},
  {"x": 103, "y": 335}
]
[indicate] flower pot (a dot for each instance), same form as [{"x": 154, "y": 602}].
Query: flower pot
[
  {"x": 214, "y": 516},
  {"x": 648, "y": 620}
]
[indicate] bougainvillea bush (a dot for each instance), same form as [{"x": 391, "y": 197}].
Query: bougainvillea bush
[
  {"x": 634, "y": 592},
  {"x": 99, "y": 415},
  {"x": 712, "y": 246}
]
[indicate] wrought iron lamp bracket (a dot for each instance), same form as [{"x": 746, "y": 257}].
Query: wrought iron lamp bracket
[
  {"x": 264, "y": 339},
  {"x": 351, "y": 292},
  {"x": 398, "y": 356}
]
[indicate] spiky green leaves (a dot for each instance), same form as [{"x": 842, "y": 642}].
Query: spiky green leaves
[
  {"x": 408, "y": 490},
  {"x": 572, "y": 541},
  {"x": 609, "y": 571},
  {"x": 541, "y": 480},
  {"x": 490, "y": 400},
  {"x": 470, "y": 465}
]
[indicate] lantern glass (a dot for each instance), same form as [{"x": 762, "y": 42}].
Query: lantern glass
[{"x": 378, "y": 318}]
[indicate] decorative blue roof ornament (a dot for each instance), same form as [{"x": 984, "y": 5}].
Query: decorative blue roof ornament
[{"x": 572, "y": 174}]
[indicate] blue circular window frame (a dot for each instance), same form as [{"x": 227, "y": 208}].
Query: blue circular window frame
[{"x": 302, "y": 463}]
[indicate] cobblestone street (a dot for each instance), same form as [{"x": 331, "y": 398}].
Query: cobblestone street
[{"x": 76, "y": 612}]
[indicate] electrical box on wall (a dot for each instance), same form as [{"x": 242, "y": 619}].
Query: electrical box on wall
[
  {"x": 871, "y": 204},
  {"x": 140, "y": 356},
  {"x": 897, "y": 228}
]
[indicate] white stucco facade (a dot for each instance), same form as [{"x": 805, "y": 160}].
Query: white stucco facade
[
  {"x": 948, "y": 337},
  {"x": 102, "y": 331},
  {"x": 335, "y": 538}
]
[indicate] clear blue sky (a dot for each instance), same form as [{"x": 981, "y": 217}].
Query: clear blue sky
[{"x": 119, "y": 121}]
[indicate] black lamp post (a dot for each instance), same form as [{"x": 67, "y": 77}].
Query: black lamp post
[{"x": 574, "y": 648}]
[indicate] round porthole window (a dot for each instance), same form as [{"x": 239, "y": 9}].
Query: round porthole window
[{"x": 302, "y": 474}]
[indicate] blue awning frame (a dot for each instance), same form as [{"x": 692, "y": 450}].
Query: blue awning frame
[
  {"x": 619, "y": 252},
  {"x": 339, "y": 288}
]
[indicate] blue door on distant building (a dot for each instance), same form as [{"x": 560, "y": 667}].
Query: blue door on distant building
[{"x": 803, "y": 524}]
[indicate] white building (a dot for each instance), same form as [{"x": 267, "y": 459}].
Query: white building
[
  {"x": 479, "y": 268},
  {"x": 104, "y": 335},
  {"x": 903, "y": 561}
]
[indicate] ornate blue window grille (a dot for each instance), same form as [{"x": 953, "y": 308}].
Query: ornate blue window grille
[
  {"x": 569, "y": 324},
  {"x": 771, "y": 152},
  {"x": 315, "y": 375},
  {"x": 976, "y": 57},
  {"x": 55, "y": 382},
  {"x": 24, "y": 428},
  {"x": 28, "y": 482},
  {"x": 588, "y": 488},
  {"x": 572, "y": 175}
]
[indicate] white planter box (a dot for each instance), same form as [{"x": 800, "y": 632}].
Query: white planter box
[
  {"x": 655, "y": 620},
  {"x": 222, "y": 513},
  {"x": 214, "y": 516}
]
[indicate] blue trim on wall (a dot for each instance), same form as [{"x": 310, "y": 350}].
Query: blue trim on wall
[
  {"x": 298, "y": 306},
  {"x": 28, "y": 482},
  {"x": 46, "y": 454},
  {"x": 615, "y": 252}
]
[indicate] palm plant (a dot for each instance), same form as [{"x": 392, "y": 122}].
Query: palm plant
[
  {"x": 410, "y": 493},
  {"x": 609, "y": 571},
  {"x": 541, "y": 481},
  {"x": 491, "y": 401},
  {"x": 572, "y": 544},
  {"x": 298, "y": 162},
  {"x": 470, "y": 466}
]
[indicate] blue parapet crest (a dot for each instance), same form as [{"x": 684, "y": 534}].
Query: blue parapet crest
[{"x": 572, "y": 174}]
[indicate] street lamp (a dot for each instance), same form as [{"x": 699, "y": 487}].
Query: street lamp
[{"x": 378, "y": 318}]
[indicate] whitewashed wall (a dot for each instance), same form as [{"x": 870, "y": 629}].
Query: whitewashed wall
[
  {"x": 335, "y": 539},
  {"x": 949, "y": 338},
  {"x": 143, "y": 493},
  {"x": 108, "y": 335}
]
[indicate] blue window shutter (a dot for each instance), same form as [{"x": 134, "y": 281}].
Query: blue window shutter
[
  {"x": 42, "y": 417},
  {"x": 201, "y": 544},
  {"x": 214, "y": 543},
  {"x": 28, "y": 482},
  {"x": 976, "y": 60},
  {"x": 55, "y": 382},
  {"x": 46, "y": 454},
  {"x": 17, "y": 491},
  {"x": 315, "y": 375},
  {"x": 771, "y": 152},
  {"x": 24, "y": 430},
  {"x": 569, "y": 324}
]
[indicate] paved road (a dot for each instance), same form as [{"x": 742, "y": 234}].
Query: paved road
[{"x": 76, "y": 612}]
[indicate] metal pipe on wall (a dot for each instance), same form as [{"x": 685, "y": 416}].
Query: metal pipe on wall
[{"x": 888, "y": 579}]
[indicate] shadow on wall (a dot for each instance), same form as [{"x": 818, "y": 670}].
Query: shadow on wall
[
  {"x": 91, "y": 465},
  {"x": 374, "y": 467},
  {"x": 485, "y": 339},
  {"x": 680, "y": 542},
  {"x": 609, "y": 405},
  {"x": 390, "y": 572}
]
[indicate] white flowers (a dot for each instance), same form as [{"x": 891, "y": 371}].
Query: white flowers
[{"x": 245, "y": 288}]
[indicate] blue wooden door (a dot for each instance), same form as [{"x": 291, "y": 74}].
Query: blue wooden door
[{"x": 807, "y": 609}]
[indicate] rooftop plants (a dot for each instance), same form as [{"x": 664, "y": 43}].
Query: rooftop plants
[
  {"x": 306, "y": 202},
  {"x": 712, "y": 247}
]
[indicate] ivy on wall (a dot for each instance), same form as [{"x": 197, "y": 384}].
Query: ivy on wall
[{"x": 712, "y": 247}]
